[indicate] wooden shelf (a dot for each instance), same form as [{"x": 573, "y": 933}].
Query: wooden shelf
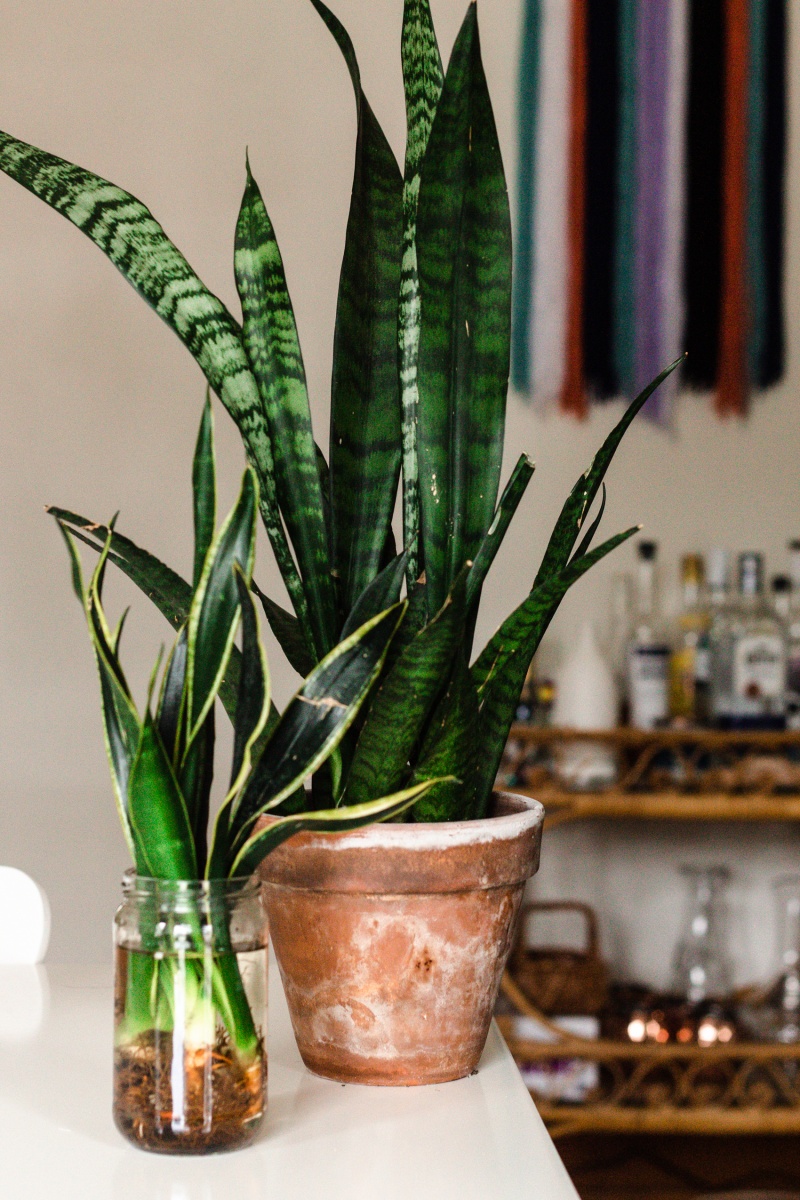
[
  {"x": 720, "y": 776},
  {"x": 562, "y": 806}
]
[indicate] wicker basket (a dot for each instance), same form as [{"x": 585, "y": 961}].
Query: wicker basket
[{"x": 558, "y": 981}]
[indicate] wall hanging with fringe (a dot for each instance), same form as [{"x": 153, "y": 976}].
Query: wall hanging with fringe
[{"x": 650, "y": 205}]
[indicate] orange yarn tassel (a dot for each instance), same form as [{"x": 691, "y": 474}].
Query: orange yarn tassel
[
  {"x": 573, "y": 394},
  {"x": 732, "y": 382}
]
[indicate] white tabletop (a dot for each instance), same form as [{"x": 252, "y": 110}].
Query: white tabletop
[{"x": 477, "y": 1139}]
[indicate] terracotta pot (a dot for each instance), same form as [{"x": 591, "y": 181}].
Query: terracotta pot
[{"x": 391, "y": 940}]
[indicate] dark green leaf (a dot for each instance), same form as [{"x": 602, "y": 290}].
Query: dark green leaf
[
  {"x": 378, "y": 595},
  {"x": 317, "y": 718},
  {"x": 214, "y": 614},
  {"x": 204, "y": 489},
  {"x": 286, "y": 628},
  {"x": 128, "y": 234},
  {"x": 464, "y": 258},
  {"x": 586, "y": 540},
  {"x": 254, "y": 687},
  {"x": 158, "y": 812},
  {"x": 365, "y": 391},
  {"x": 170, "y": 701},
  {"x": 422, "y": 80},
  {"x": 195, "y": 777},
  {"x": 577, "y": 504},
  {"x": 450, "y": 748},
  {"x": 170, "y": 593},
  {"x": 273, "y": 348},
  {"x": 401, "y": 705},
  {"x": 335, "y": 820},
  {"x": 492, "y": 539},
  {"x": 120, "y": 729},
  {"x": 500, "y": 670}
]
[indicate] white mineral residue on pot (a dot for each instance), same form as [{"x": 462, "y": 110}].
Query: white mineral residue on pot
[
  {"x": 364, "y": 1024},
  {"x": 433, "y": 836}
]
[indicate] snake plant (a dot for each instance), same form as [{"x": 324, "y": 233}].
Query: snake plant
[
  {"x": 162, "y": 760},
  {"x": 419, "y": 385}
]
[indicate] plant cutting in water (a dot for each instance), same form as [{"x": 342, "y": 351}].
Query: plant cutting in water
[
  {"x": 420, "y": 375},
  {"x": 184, "y": 981}
]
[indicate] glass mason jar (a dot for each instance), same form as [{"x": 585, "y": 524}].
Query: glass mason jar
[{"x": 190, "y": 1003}]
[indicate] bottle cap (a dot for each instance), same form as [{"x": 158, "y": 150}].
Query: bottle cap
[
  {"x": 647, "y": 551},
  {"x": 781, "y": 583}
]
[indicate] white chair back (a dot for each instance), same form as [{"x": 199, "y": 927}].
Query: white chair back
[{"x": 24, "y": 919}]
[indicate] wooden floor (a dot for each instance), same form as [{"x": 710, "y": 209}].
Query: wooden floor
[{"x": 615, "y": 1167}]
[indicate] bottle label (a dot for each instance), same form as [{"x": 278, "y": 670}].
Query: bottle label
[
  {"x": 683, "y": 674},
  {"x": 793, "y": 673},
  {"x": 649, "y": 685},
  {"x": 759, "y": 667},
  {"x": 702, "y": 664}
]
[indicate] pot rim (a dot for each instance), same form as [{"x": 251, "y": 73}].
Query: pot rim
[
  {"x": 419, "y": 859},
  {"x": 526, "y": 814}
]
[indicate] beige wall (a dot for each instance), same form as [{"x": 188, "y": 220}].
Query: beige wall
[{"x": 100, "y": 404}]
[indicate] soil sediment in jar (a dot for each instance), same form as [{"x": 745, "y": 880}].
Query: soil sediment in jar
[{"x": 223, "y": 1101}]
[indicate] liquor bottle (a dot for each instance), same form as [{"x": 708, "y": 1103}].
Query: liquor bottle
[
  {"x": 692, "y": 623},
  {"x": 781, "y": 588},
  {"x": 619, "y": 637},
  {"x": 793, "y": 641},
  {"x": 648, "y": 651},
  {"x": 748, "y": 657},
  {"x": 716, "y": 598}
]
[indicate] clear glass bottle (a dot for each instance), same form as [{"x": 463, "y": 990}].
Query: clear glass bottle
[
  {"x": 190, "y": 1002},
  {"x": 701, "y": 969},
  {"x": 648, "y": 650},
  {"x": 784, "y": 996},
  {"x": 793, "y": 641},
  {"x": 619, "y": 637},
  {"x": 748, "y": 657},
  {"x": 693, "y": 621},
  {"x": 715, "y": 600}
]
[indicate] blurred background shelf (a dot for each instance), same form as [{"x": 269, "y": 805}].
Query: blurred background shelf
[
  {"x": 737, "y": 1089},
  {"x": 664, "y": 775}
]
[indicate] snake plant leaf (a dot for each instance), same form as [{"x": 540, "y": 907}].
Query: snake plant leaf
[
  {"x": 464, "y": 258},
  {"x": 365, "y": 447},
  {"x": 288, "y": 633},
  {"x": 317, "y": 718},
  {"x": 334, "y": 820},
  {"x": 586, "y": 540},
  {"x": 383, "y": 592},
  {"x": 252, "y": 709},
  {"x": 273, "y": 348},
  {"x": 121, "y": 726},
  {"x": 157, "y": 810},
  {"x": 577, "y": 504},
  {"x": 450, "y": 748},
  {"x": 422, "y": 81},
  {"x": 76, "y": 569},
  {"x": 170, "y": 701},
  {"x": 171, "y": 594},
  {"x": 204, "y": 490},
  {"x": 401, "y": 705},
  {"x": 128, "y": 234},
  {"x": 214, "y": 614},
  {"x": 492, "y": 539},
  {"x": 500, "y": 670},
  {"x": 195, "y": 776}
]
